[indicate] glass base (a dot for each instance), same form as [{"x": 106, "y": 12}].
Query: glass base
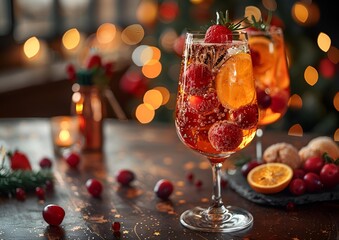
[{"x": 234, "y": 219}]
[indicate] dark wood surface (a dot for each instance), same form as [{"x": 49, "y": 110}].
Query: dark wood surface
[{"x": 153, "y": 152}]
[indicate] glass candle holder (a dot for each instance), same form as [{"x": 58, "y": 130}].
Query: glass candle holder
[{"x": 65, "y": 134}]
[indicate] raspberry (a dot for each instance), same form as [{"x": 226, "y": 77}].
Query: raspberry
[
  {"x": 197, "y": 76},
  {"x": 225, "y": 136},
  {"x": 245, "y": 117},
  {"x": 218, "y": 34}
]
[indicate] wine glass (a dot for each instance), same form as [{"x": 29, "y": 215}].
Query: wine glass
[
  {"x": 216, "y": 116},
  {"x": 271, "y": 77}
]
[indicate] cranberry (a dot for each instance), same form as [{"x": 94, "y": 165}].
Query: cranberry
[
  {"x": 53, "y": 214},
  {"x": 313, "y": 164},
  {"x": 264, "y": 100},
  {"x": 298, "y": 173},
  {"x": 40, "y": 193},
  {"x": 297, "y": 186},
  {"x": 203, "y": 103},
  {"x": 116, "y": 226},
  {"x": 247, "y": 167},
  {"x": 20, "y": 194},
  {"x": 94, "y": 187},
  {"x": 163, "y": 189},
  {"x": 329, "y": 175},
  {"x": 73, "y": 160},
  {"x": 198, "y": 183},
  {"x": 45, "y": 163},
  {"x": 225, "y": 136},
  {"x": 125, "y": 177},
  {"x": 197, "y": 76},
  {"x": 313, "y": 182},
  {"x": 190, "y": 177},
  {"x": 245, "y": 117},
  {"x": 279, "y": 101}
]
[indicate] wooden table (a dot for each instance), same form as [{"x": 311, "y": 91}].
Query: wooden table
[{"x": 153, "y": 152}]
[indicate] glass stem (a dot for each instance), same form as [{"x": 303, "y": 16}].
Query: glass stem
[
  {"x": 258, "y": 146},
  {"x": 217, "y": 210}
]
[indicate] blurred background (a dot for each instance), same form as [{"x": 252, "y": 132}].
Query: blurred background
[{"x": 144, "y": 39}]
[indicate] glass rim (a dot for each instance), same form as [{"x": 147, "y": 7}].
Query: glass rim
[
  {"x": 270, "y": 30},
  {"x": 201, "y": 33}
]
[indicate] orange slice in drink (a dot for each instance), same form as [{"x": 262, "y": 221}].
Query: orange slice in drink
[
  {"x": 235, "y": 82},
  {"x": 262, "y": 50},
  {"x": 270, "y": 178}
]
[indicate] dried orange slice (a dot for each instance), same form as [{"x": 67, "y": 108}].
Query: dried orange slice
[
  {"x": 235, "y": 82},
  {"x": 270, "y": 178},
  {"x": 263, "y": 51}
]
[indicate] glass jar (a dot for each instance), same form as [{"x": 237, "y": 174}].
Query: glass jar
[{"x": 88, "y": 104}]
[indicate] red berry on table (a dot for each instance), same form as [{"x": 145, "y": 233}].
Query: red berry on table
[
  {"x": 125, "y": 177},
  {"x": 116, "y": 226},
  {"x": 197, "y": 76},
  {"x": 20, "y": 194},
  {"x": 313, "y": 182},
  {"x": 314, "y": 164},
  {"x": 53, "y": 214},
  {"x": 247, "y": 167},
  {"x": 264, "y": 100},
  {"x": 45, "y": 163},
  {"x": 246, "y": 116},
  {"x": 19, "y": 160},
  {"x": 94, "y": 61},
  {"x": 298, "y": 173},
  {"x": 290, "y": 206},
  {"x": 73, "y": 160},
  {"x": 94, "y": 187},
  {"x": 329, "y": 175},
  {"x": 163, "y": 189},
  {"x": 297, "y": 186},
  {"x": 225, "y": 136},
  {"x": 40, "y": 193}
]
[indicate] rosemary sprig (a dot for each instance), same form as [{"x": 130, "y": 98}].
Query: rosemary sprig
[{"x": 28, "y": 180}]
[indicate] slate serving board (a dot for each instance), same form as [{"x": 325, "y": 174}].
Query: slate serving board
[{"x": 239, "y": 184}]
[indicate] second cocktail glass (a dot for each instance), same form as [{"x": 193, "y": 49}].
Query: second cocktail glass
[{"x": 216, "y": 116}]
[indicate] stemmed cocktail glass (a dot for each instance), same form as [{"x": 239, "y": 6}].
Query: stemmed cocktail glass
[
  {"x": 271, "y": 77},
  {"x": 216, "y": 116}
]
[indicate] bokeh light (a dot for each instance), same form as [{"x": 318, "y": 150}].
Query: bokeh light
[
  {"x": 144, "y": 113},
  {"x": 147, "y": 12},
  {"x": 31, "y": 47},
  {"x": 311, "y": 75},
  {"x": 326, "y": 68},
  {"x": 71, "y": 39},
  {"x": 168, "y": 11},
  {"x": 336, "y": 135},
  {"x": 305, "y": 13},
  {"x": 299, "y": 12},
  {"x": 141, "y": 55},
  {"x": 336, "y": 101},
  {"x": 133, "y": 34},
  {"x": 295, "y": 102},
  {"x": 154, "y": 98},
  {"x": 165, "y": 94},
  {"x": 152, "y": 69},
  {"x": 168, "y": 38},
  {"x": 296, "y": 130},
  {"x": 333, "y": 54},
  {"x": 324, "y": 42},
  {"x": 106, "y": 33}
]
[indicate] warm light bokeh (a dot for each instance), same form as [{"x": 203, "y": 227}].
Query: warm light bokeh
[
  {"x": 31, "y": 47},
  {"x": 154, "y": 98},
  {"x": 296, "y": 130},
  {"x": 152, "y": 69},
  {"x": 133, "y": 34},
  {"x": 295, "y": 102},
  {"x": 311, "y": 75},
  {"x": 144, "y": 113},
  {"x": 336, "y": 101},
  {"x": 106, "y": 33},
  {"x": 71, "y": 39}
]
